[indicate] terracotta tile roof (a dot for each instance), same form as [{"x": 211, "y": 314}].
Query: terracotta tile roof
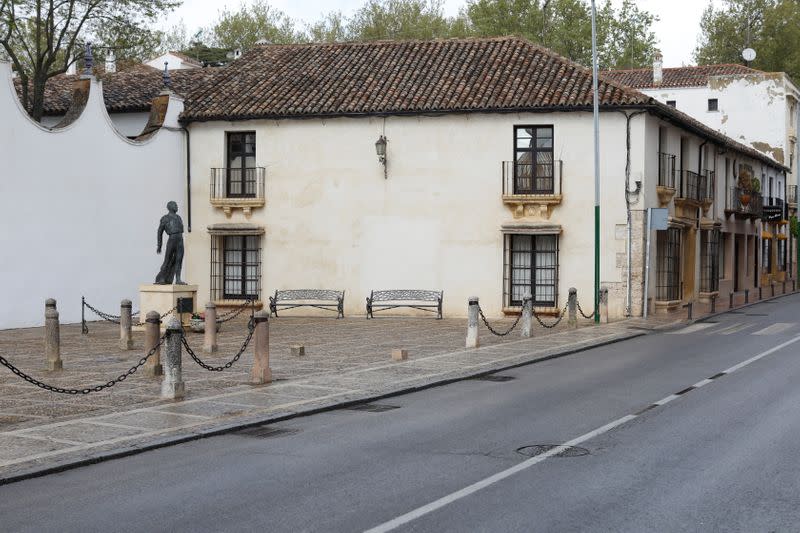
[
  {"x": 130, "y": 90},
  {"x": 642, "y": 78},
  {"x": 453, "y": 75}
]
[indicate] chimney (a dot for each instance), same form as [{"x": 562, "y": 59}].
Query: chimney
[
  {"x": 658, "y": 73},
  {"x": 111, "y": 61}
]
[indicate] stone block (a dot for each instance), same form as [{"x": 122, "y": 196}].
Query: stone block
[
  {"x": 297, "y": 350},
  {"x": 399, "y": 354}
]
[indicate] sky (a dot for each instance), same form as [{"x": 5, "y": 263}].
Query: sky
[{"x": 676, "y": 30}]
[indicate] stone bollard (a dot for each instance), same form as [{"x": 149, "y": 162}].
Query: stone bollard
[
  {"x": 527, "y": 315},
  {"x": 398, "y": 354},
  {"x": 210, "y": 335},
  {"x": 261, "y": 372},
  {"x": 152, "y": 333},
  {"x": 713, "y": 303},
  {"x": 173, "y": 388},
  {"x": 52, "y": 337},
  {"x": 472, "y": 323},
  {"x": 125, "y": 338},
  {"x": 572, "y": 306},
  {"x": 604, "y": 305}
]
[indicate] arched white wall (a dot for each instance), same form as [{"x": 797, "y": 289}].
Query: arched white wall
[{"x": 79, "y": 208}]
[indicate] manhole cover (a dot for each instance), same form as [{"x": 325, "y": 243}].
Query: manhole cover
[
  {"x": 372, "y": 407},
  {"x": 495, "y": 378},
  {"x": 265, "y": 432},
  {"x": 539, "y": 449}
]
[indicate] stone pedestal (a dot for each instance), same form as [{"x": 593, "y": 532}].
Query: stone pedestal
[{"x": 162, "y": 298}]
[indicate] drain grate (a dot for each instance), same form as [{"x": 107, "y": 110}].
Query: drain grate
[
  {"x": 372, "y": 407},
  {"x": 538, "y": 449},
  {"x": 266, "y": 432},
  {"x": 495, "y": 378}
]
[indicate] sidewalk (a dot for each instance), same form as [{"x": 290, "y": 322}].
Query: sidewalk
[{"x": 346, "y": 361}]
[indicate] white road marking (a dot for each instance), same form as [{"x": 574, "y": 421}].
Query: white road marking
[
  {"x": 694, "y": 328},
  {"x": 735, "y": 328},
  {"x": 778, "y": 327},
  {"x": 524, "y": 465}
]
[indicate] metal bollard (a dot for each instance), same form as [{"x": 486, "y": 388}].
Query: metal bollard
[
  {"x": 759, "y": 294},
  {"x": 125, "y": 339},
  {"x": 152, "y": 333},
  {"x": 688, "y": 307},
  {"x": 210, "y": 335},
  {"x": 472, "y": 323},
  {"x": 84, "y": 328},
  {"x": 572, "y": 305},
  {"x": 747, "y": 296},
  {"x": 784, "y": 287},
  {"x": 52, "y": 337},
  {"x": 713, "y": 303},
  {"x": 173, "y": 388},
  {"x": 527, "y": 315},
  {"x": 261, "y": 372},
  {"x": 730, "y": 304},
  {"x": 772, "y": 286}
]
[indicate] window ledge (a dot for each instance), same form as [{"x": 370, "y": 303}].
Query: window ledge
[{"x": 245, "y": 204}]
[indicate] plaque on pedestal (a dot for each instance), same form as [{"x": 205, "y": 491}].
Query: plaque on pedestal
[{"x": 163, "y": 298}]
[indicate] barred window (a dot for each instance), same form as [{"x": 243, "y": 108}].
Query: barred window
[
  {"x": 531, "y": 266},
  {"x": 533, "y": 160},
  {"x": 668, "y": 273},
  {"x": 709, "y": 261},
  {"x": 235, "y": 267},
  {"x": 781, "y": 250},
  {"x": 722, "y": 240},
  {"x": 766, "y": 255}
]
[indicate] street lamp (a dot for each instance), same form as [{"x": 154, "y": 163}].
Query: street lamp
[
  {"x": 380, "y": 149},
  {"x": 596, "y": 113}
]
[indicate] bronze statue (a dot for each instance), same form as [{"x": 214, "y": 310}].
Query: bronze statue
[{"x": 173, "y": 258}]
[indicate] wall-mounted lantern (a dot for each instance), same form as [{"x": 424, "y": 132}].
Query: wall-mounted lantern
[{"x": 380, "y": 149}]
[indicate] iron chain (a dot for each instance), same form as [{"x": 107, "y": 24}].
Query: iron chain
[
  {"x": 105, "y": 316},
  {"x": 250, "y": 330},
  {"x": 97, "y": 388},
  {"x": 233, "y": 313},
  {"x": 554, "y": 324},
  {"x": 584, "y": 315},
  {"x": 494, "y": 331}
]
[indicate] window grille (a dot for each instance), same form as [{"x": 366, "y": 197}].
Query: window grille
[
  {"x": 713, "y": 104},
  {"x": 709, "y": 261},
  {"x": 723, "y": 238},
  {"x": 766, "y": 255},
  {"x": 235, "y": 267},
  {"x": 531, "y": 266},
  {"x": 781, "y": 259},
  {"x": 668, "y": 272},
  {"x": 533, "y": 160}
]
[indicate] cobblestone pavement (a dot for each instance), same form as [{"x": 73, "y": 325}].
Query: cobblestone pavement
[{"x": 346, "y": 360}]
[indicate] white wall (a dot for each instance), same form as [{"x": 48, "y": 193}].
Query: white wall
[
  {"x": 173, "y": 62},
  {"x": 333, "y": 221},
  {"x": 79, "y": 208}
]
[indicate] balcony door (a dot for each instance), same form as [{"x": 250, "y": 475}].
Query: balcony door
[
  {"x": 241, "y": 172},
  {"x": 533, "y": 160}
]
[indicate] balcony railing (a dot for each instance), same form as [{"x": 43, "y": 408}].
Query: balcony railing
[
  {"x": 792, "y": 199},
  {"x": 526, "y": 179},
  {"x": 743, "y": 202},
  {"x": 666, "y": 170},
  {"x": 694, "y": 186},
  {"x": 774, "y": 209},
  {"x": 232, "y": 188}
]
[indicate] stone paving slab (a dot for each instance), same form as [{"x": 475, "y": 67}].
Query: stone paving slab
[{"x": 347, "y": 361}]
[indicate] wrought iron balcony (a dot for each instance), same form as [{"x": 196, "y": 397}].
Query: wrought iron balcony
[
  {"x": 243, "y": 188},
  {"x": 532, "y": 189},
  {"x": 694, "y": 187},
  {"x": 744, "y": 203},
  {"x": 774, "y": 210},
  {"x": 666, "y": 170}
]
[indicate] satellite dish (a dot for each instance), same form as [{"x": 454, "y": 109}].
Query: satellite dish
[{"x": 748, "y": 54}]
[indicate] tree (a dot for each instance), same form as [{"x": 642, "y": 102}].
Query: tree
[
  {"x": 258, "y": 21},
  {"x": 624, "y": 37},
  {"x": 329, "y": 29},
  {"x": 42, "y": 38},
  {"x": 400, "y": 19}
]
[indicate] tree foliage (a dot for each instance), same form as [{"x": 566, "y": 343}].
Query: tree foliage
[
  {"x": 771, "y": 27},
  {"x": 42, "y": 38},
  {"x": 252, "y": 23}
]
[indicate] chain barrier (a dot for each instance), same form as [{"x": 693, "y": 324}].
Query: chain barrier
[
  {"x": 494, "y": 331},
  {"x": 554, "y": 324},
  {"x": 161, "y": 317},
  {"x": 250, "y": 330},
  {"x": 233, "y": 313},
  {"x": 105, "y": 316},
  {"x": 584, "y": 315},
  {"x": 97, "y": 388}
]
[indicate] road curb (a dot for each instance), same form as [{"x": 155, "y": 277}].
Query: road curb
[{"x": 259, "y": 421}]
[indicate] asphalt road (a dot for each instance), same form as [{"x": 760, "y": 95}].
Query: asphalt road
[{"x": 719, "y": 457}]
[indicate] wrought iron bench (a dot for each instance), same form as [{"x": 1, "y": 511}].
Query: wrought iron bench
[
  {"x": 289, "y": 299},
  {"x": 413, "y": 298}
]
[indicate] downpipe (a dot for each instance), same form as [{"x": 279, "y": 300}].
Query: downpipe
[{"x": 628, "y": 195}]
